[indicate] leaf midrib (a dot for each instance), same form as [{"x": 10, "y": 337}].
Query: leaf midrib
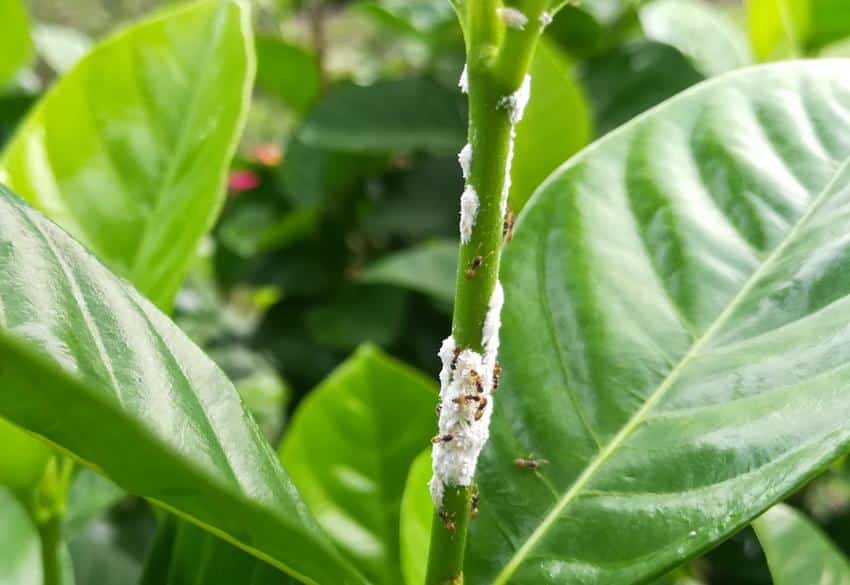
[{"x": 656, "y": 396}]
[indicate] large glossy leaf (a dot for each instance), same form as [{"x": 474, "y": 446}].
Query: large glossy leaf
[
  {"x": 349, "y": 448},
  {"x": 20, "y": 547},
  {"x": 129, "y": 151},
  {"x": 798, "y": 552},
  {"x": 703, "y": 32},
  {"x": 138, "y": 400},
  {"x": 556, "y": 125},
  {"x": 676, "y": 339},
  {"x": 16, "y": 45}
]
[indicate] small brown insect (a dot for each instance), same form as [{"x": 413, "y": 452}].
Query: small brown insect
[
  {"x": 482, "y": 404},
  {"x": 442, "y": 438},
  {"x": 438, "y": 409},
  {"x": 497, "y": 373},
  {"x": 476, "y": 379},
  {"x": 508, "y": 226},
  {"x": 474, "y": 512},
  {"x": 448, "y": 522},
  {"x": 454, "y": 359},
  {"x": 476, "y": 263},
  {"x": 530, "y": 463},
  {"x": 468, "y": 398}
]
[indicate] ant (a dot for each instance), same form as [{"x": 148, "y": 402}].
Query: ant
[
  {"x": 476, "y": 379},
  {"x": 497, "y": 373},
  {"x": 530, "y": 463},
  {"x": 447, "y": 521},
  {"x": 474, "y": 512},
  {"x": 476, "y": 263},
  {"x": 442, "y": 439},
  {"x": 482, "y": 404},
  {"x": 508, "y": 226}
]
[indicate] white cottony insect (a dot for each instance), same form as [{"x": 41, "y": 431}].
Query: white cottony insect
[
  {"x": 464, "y": 157},
  {"x": 513, "y": 18},
  {"x": 468, "y": 213},
  {"x": 463, "y": 83},
  {"x": 516, "y": 102},
  {"x": 466, "y": 404},
  {"x": 545, "y": 19}
]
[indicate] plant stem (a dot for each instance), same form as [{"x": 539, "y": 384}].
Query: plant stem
[
  {"x": 498, "y": 59},
  {"x": 50, "y": 533}
]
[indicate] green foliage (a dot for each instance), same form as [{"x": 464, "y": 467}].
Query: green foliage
[
  {"x": 16, "y": 46},
  {"x": 797, "y": 551},
  {"x": 150, "y": 140},
  {"x": 416, "y": 512},
  {"x": 429, "y": 268},
  {"x": 287, "y": 71},
  {"x": 706, "y": 291},
  {"x": 20, "y": 555},
  {"x": 349, "y": 449},
  {"x": 143, "y": 392}
]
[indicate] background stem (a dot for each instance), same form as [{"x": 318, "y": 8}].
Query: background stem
[{"x": 50, "y": 533}]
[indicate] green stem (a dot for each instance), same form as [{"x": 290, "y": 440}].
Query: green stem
[
  {"x": 498, "y": 60},
  {"x": 50, "y": 533}
]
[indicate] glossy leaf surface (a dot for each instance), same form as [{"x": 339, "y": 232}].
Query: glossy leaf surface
[
  {"x": 675, "y": 334},
  {"x": 16, "y": 46},
  {"x": 557, "y": 123},
  {"x": 129, "y": 151},
  {"x": 349, "y": 447},
  {"x": 20, "y": 548},
  {"x": 131, "y": 387},
  {"x": 797, "y": 551}
]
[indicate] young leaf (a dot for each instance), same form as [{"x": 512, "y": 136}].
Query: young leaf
[
  {"x": 557, "y": 123},
  {"x": 778, "y": 28},
  {"x": 146, "y": 124},
  {"x": 676, "y": 339},
  {"x": 348, "y": 449},
  {"x": 20, "y": 548},
  {"x": 797, "y": 551},
  {"x": 23, "y": 458},
  {"x": 699, "y": 30},
  {"x": 417, "y": 510},
  {"x": 16, "y": 45},
  {"x": 139, "y": 401}
]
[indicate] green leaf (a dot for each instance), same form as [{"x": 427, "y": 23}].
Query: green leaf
[
  {"x": 417, "y": 510},
  {"x": 676, "y": 339},
  {"x": 16, "y": 45},
  {"x": 418, "y": 17},
  {"x": 388, "y": 116},
  {"x": 349, "y": 448},
  {"x": 23, "y": 458},
  {"x": 633, "y": 78},
  {"x": 132, "y": 388},
  {"x": 429, "y": 268},
  {"x": 20, "y": 548},
  {"x": 146, "y": 124},
  {"x": 699, "y": 30},
  {"x": 778, "y": 28},
  {"x": 184, "y": 553},
  {"x": 557, "y": 123},
  {"x": 358, "y": 314},
  {"x": 797, "y": 551},
  {"x": 287, "y": 71},
  {"x": 90, "y": 495},
  {"x": 830, "y": 22}
]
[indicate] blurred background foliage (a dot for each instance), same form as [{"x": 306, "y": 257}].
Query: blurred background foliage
[{"x": 342, "y": 206}]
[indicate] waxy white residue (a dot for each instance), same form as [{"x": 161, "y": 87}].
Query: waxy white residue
[
  {"x": 545, "y": 19},
  {"x": 513, "y": 18},
  {"x": 464, "y": 157},
  {"x": 468, "y": 213},
  {"x": 466, "y": 405},
  {"x": 463, "y": 83},
  {"x": 516, "y": 102}
]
